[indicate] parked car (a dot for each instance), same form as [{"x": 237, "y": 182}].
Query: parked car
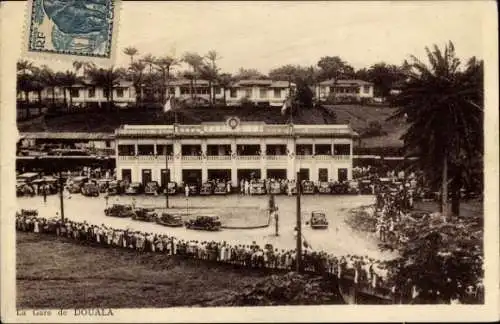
[
  {"x": 114, "y": 188},
  {"x": 324, "y": 187},
  {"x": 206, "y": 223},
  {"x": 49, "y": 184},
  {"x": 353, "y": 187},
  {"x": 275, "y": 188},
  {"x": 172, "y": 188},
  {"x": 171, "y": 220},
  {"x": 152, "y": 188},
  {"x": 146, "y": 214},
  {"x": 308, "y": 187},
  {"x": 103, "y": 185},
  {"x": 134, "y": 188},
  {"x": 207, "y": 189},
  {"x": 75, "y": 184},
  {"x": 220, "y": 188},
  {"x": 340, "y": 188},
  {"x": 118, "y": 210},
  {"x": 258, "y": 188},
  {"x": 318, "y": 220},
  {"x": 90, "y": 189},
  {"x": 193, "y": 189}
]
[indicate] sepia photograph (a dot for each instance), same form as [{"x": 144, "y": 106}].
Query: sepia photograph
[{"x": 206, "y": 155}]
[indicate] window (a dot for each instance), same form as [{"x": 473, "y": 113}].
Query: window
[
  {"x": 303, "y": 149},
  {"x": 217, "y": 90},
  {"x": 75, "y": 93},
  {"x": 172, "y": 91},
  {"x": 263, "y": 93},
  {"x": 191, "y": 150},
  {"x": 248, "y": 92},
  {"x": 105, "y": 93},
  {"x": 202, "y": 91},
  {"x": 323, "y": 149},
  {"x": 145, "y": 149},
  {"x": 126, "y": 150},
  {"x": 323, "y": 175},
  {"x": 233, "y": 93},
  {"x": 160, "y": 149},
  {"x": 342, "y": 149},
  {"x": 119, "y": 93},
  {"x": 277, "y": 93},
  {"x": 184, "y": 90},
  {"x": 91, "y": 92},
  {"x": 366, "y": 89},
  {"x": 108, "y": 143},
  {"x": 342, "y": 175}
]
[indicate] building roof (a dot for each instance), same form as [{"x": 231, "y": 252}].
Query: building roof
[
  {"x": 346, "y": 83},
  {"x": 244, "y": 129},
  {"x": 186, "y": 82},
  {"x": 262, "y": 83},
  {"x": 67, "y": 135}
]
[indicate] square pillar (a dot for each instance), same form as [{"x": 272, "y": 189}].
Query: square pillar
[
  {"x": 176, "y": 166},
  {"x": 234, "y": 165}
]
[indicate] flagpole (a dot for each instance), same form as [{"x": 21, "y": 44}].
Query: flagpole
[{"x": 291, "y": 100}]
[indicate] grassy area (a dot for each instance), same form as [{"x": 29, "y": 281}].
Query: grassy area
[
  {"x": 470, "y": 208},
  {"x": 54, "y": 272}
]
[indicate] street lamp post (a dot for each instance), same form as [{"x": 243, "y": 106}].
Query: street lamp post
[{"x": 167, "y": 175}]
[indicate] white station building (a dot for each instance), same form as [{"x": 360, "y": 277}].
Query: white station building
[{"x": 233, "y": 151}]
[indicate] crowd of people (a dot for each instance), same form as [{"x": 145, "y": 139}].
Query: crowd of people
[{"x": 362, "y": 269}]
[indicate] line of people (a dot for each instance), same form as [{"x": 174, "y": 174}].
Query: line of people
[{"x": 363, "y": 270}]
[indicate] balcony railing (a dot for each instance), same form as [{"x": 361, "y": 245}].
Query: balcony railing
[
  {"x": 218, "y": 157},
  {"x": 342, "y": 157},
  {"x": 276, "y": 157},
  {"x": 249, "y": 157},
  {"x": 191, "y": 157}
]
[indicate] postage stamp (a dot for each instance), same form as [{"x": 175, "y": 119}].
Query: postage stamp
[{"x": 68, "y": 28}]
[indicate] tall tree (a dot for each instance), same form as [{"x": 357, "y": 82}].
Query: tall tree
[
  {"x": 130, "y": 51},
  {"x": 165, "y": 64},
  {"x": 136, "y": 75},
  {"x": 444, "y": 108},
  {"x": 107, "y": 79},
  {"x": 195, "y": 61},
  {"x": 211, "y": 71},
  {"x": 334, "y": 68},
  {"x": 51, "y": 80},
  {"x": 225, "y": 80},
  {"x": 249, "y": 74},
  {"x": 67, "y": 80}
]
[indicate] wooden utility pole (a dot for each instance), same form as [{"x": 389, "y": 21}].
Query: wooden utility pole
[{"x": 299, "y": 228}]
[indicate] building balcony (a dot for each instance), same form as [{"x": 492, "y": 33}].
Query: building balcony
[
  {"x": 342, "y": 157},
  {"x": 191, "y": 158},
  {"x": 277, "y": 157},
  {"x": 249, "y": 157},
  {"x": 218, "y": 157}
]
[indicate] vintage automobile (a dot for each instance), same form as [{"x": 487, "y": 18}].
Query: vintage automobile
[
  {"x": 118, "y": 210},
  {"x": 258, "y": 188},
  {"x": 365, "y": 187},
  {"x": 308, "y": 187},
  {"x": 324, "y": 187},
  {"x": 318, "y": 220},
  {"x": 103, "y": 185},
  {"x": 171, "y": 220},
  {"x": 207, "y": 189},
  {"x": 340, "y": 188},
  {"x": 134, "y": 188},
  {"x": 145, "y": 214},
  {"x": 172, "y": 188},
  {"x": 75, "y": 184},
  {"x": 220, "y": 188},
  {"x": 47, "y": 184},
  {"x": 353, "y": 187},
  {"x": 24, "y": 189},
  {"x": 114, "y": 188},
  {"x": 292, "y": 186},
  {"x": 193, "y": 189},
  {"x": 90, "y": 189},
  {"x": 206, "y": 223},
  {"x": 151, "y": 188},
  {"x": 275, "y": 188}
]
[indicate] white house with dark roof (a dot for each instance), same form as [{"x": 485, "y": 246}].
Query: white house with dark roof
[
  {"x": 357, "y": 89},
  {"x": 269, "y": 92}
]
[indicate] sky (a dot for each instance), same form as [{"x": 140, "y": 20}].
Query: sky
[{"x": 265, "y": 35}]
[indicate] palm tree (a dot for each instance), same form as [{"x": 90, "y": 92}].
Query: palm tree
[
  {"x": 38, "y": 84},
  {"x": 24, "y": 69},
  {"x": 443, "y": 105},
  {"x": 131, "y": 51},
  {"x": 225, "y": 80},
  {"x": 164, "y": 65},
  {"x": 68, "y": 79},
  {"x": 195, "y": 61},
  {"x": 136, "y": 70},
  {"x": 51, "y": 80},
  {"x": 212, "y": 56},
  {"x": 107, "y": 79}
]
